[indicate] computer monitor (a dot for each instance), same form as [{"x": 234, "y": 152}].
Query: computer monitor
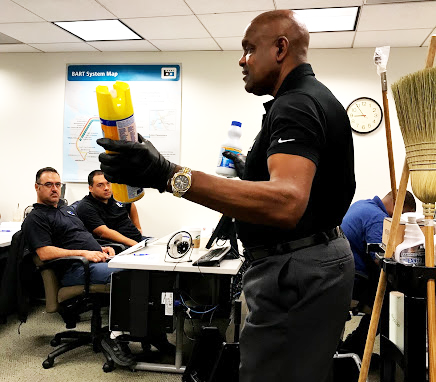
[{"x": 225, "y": 230}]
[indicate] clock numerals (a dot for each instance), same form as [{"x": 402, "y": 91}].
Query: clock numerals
[{"x": 365, "y": 115}]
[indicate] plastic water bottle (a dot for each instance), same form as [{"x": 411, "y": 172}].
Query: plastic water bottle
[
  {"x": 225, "y": 166},
  {"x": 411, "y": 251},
  {"x": 118, "y": 122}
]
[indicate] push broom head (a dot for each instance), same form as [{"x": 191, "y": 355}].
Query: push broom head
[{"x": 415, "y": 101}]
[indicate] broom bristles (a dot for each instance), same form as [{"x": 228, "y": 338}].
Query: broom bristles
[{"x": 415, "y": 98}]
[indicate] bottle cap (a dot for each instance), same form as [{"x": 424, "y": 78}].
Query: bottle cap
[
  {"x": 411, "y": 219},
  {"x": 236, "y": 123}
]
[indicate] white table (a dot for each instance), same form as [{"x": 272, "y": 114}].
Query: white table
[
  {"x": 7, "y": 230},
  {"x": 152, "y": 258}
]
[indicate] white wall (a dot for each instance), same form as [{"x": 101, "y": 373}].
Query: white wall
[{"x": 31, "y": 117}]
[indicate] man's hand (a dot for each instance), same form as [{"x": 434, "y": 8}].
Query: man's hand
[
  {"x": 109, "y": 250},
  {"x": 135, "y": 163},
  {"x": 238, "y": 160},
  {"x": 95, "y": 256}
]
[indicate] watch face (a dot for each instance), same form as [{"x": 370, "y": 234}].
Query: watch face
[
  {"x": 365, "y": 115},
  {"x": 181, "y": 182}
]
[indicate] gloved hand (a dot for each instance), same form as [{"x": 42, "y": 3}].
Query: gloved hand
[
  {"x": 137, "y": 164},
  {"x": 238, "y": 160}
]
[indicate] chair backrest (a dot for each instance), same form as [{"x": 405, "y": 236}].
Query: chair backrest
[{"x": 51, "y": 286}]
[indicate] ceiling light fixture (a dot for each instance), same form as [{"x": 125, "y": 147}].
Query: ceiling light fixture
[
  {"x": 99, "y": 30},
  {"x": 329, "y": 19}
]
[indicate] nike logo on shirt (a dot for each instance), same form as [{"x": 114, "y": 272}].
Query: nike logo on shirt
[{"x": 285, "y": 140}]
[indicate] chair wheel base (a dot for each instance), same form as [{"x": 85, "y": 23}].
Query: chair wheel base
[
  {"x": 54, "y": 342},
  {"x": 108, "y": 366},
  {"x": 48, "y": 363}
]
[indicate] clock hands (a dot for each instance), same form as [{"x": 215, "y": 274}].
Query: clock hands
[{"x": 363, "y": 115}]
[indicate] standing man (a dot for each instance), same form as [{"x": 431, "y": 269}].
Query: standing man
[
  {"x": 105, "y": 217},
  {"x": 298, "y": 183}
]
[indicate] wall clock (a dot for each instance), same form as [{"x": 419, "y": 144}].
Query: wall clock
[{"x": 365, "y": 115}]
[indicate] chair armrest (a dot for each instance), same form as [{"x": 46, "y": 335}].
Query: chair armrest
[
  {"x": 84, "y": 262},
  {"x": 118, "y": 247}
]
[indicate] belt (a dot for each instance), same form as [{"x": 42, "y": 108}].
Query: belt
[{"x": 256, "y": 253}]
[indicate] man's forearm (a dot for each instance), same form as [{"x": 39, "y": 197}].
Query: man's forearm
[
  {"x": 51, "y": 252},
  {"x": 112, "y": 235}
]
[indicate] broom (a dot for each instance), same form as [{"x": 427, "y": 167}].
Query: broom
[
  {"x": 415, "y": 97},
  {"x": 378, "y": 301}
]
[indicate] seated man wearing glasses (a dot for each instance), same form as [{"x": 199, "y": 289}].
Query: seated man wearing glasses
[
  {"x": 105, "y": 217},
  {"x": 53, "y": 230}
]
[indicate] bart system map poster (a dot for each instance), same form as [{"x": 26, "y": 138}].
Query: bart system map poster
[{"x": 156, "y": 97}]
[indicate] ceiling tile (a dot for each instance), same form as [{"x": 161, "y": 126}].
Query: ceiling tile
[
  {"x": 66, "y": 10},
  {"x": 18, "y": 48},
  {"x": 123, "y": 46},
  {"x": 171, "y": 27},
  {"x": 398, "y": 16},
  {"x": 5, "y": 39},
  {"x": 331, "y": 40},
  {"x": 427, "y": 42},
  {"x": 225, "y": 6},
  {"x": 186, "y": 44},
  {"x": 11, "y": 13},
  {"x": 228, "y": 24},
  {"x": 393, "y": 38},
  {"x": 230, "y": 43},
  {"x": 37, "y": 32},
  {"x": 65, "y": 47},
  {"x": 303, "y": 4},
  {"x": 146, "y": 8}
]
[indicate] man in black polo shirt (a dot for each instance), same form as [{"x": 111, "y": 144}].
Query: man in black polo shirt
[
  {"x": 105, "y": 217},
  {"x": 53, "y": 231},
  {"x": 297, "y": 185}
]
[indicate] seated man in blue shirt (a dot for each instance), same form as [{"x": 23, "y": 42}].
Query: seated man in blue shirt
[
  {"x": 105, "y": 217},
  {"x": 53, "y": 230},
  {"x": 363, "y": 224}
]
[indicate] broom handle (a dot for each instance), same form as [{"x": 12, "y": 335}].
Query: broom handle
[
  {"x": 431, "y": 52},
  {"x": 384, "y": 83},
  {"x": 431, "y": 300},
  {"x": 429, "y": 259},
  {"x": 381, "y": 288}
]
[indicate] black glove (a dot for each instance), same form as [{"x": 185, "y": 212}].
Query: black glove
[
  {"x": 137, "y": 164},
  {"x": 238, "y": 160}
]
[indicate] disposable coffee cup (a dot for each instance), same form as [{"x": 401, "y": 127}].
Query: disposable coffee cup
[{"x": 196, "y": 235}]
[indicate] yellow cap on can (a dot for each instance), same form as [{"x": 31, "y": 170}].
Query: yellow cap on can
[{"x": 114, "y": 105}]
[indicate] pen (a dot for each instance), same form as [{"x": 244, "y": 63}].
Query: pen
[
  {"x": 5, "y": 230},
  {"x": 140, "y": 254}
]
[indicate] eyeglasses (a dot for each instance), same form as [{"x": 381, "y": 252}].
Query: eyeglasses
[{"x": 50, "y": 184}]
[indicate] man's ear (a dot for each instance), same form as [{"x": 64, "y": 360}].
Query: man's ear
[
  {"x": 282, "y": 44},
  {"x": 36, "y": 186},
  {"x": 89, "y": 188}
]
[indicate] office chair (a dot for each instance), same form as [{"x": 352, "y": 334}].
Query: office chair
[{"x": 69, "y": 302}]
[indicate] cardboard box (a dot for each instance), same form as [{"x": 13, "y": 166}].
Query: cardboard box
[{"x": 387, "y": 223}]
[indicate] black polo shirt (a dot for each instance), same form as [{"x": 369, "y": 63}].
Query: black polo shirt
[
  {"x": 304, "y": 119},
  {"x": 113, "y": 214},
  {"x": 59, "y": 227}
]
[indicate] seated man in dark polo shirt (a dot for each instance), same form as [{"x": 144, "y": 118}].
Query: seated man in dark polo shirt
[
  {"x": 53, "y": 230},
  {"x": 109, "y": 219},
  {"x": 105, "y": 217}
]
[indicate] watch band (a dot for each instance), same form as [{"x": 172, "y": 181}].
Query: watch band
[{"x": 177, "y": 190}]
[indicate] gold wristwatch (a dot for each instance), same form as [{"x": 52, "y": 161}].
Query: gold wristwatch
[{"x": 181, "y": 181}]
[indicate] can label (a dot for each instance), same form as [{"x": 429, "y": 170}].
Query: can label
[
  {"x": 225, "y": 162},
  {"x": 121, "y": 130},
  {"x": 413, "y": 256}
]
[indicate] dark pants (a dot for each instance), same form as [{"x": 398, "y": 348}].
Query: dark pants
[{"x": 298, "y": 304}]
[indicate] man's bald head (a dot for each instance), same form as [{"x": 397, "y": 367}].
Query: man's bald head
[
  {"x": 288, "y": 24},
  {"x": 274, "y": 43}
]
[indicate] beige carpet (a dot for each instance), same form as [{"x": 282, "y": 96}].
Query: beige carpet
[{"x": 21, "y": 355}]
